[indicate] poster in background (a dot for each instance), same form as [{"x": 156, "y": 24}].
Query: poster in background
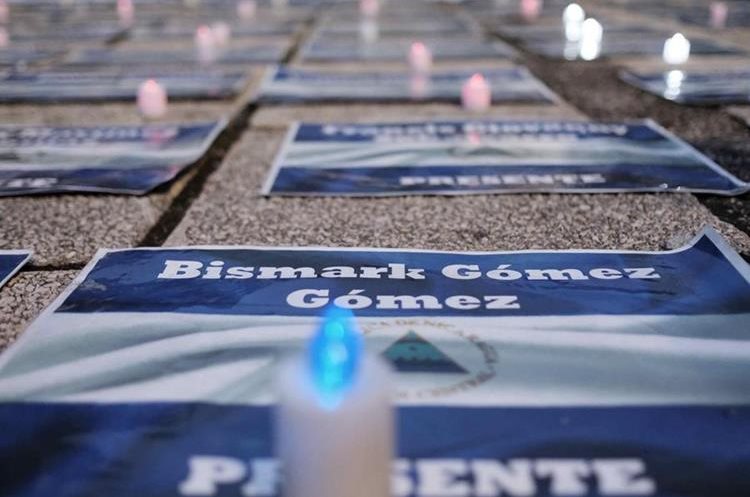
[
  {"x": 694, "y": 88},
  {"x": 128, "y": 159},
  {"x": 459, "y": 157},
  {"x": 257, "y": 53},
  {"x": 67, "y": 84},
  {"x": 285, "y": 84},
  {"x": 607, "y": 372},
  {"x": 11, "y": 262},
  {"x": 336, "y": 48}
]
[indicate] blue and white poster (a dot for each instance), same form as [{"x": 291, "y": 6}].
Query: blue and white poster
[
  {"x": 535, "y": 373},
  {"x": 13, "y": 56},
  {"x": 285, "y": 84},
  {"x": 694, "y": 88},
  {"x": 337, "y": 48},
  {"x": 128, "y": 159},
  {"x": 267, "y": 52},
  {"x": 617, "y": 41},
  {"x": 461, "y": 157},
  {"x": 64, "y": 84},
  {"x": 11, "y": 262}
]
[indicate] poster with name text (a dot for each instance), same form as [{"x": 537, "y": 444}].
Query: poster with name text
[
  {"x": 461, "y": 157},
  {"x": 127, "y": 159},
  {"x": 534, "y": 373}
]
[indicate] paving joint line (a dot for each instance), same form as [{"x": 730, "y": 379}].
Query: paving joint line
[{"x": 171, "y": 218}]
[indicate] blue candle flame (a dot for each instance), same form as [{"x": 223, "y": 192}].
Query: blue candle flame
[{"x": 335, "y": 353}]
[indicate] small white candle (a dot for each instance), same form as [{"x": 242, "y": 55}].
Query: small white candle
[
  {"x": 246, "y": 9},
  {"x": 719, "y": 13},
  {"x": 205, "y": 44},
  {"x": 152, "y": 99},
  {"x": 476, "y": 94},
  {"x": 676, "y": 49},
  {"x": 369, "y": 31},
  {"x": 334, "y": 424},
  {"x": 369, "y": 8},
  {"x": 222, "y": 33},
  {"x": 125, "y": 12},
  {"x": 530, "y": 9},
  {"x": 420, "y": 58},
  {"x": 590, "y": 44},
  {"x": 573, "y": 17},
  {"x": 4, "y": 12}
]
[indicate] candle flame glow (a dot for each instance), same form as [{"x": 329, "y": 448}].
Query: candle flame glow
[{"x": 335, "y": 353}]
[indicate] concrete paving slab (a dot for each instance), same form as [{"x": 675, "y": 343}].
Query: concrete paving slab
[
  {"x": 231, "y": 210},
  {"x": 24, "y": 297}
]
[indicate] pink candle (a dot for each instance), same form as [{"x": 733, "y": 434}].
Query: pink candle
[
  {"x": 246, "y": 9},
  {"x": 719, "y": 12},
  {"x": 152, "y": 99},
  {"x": 369, "y": 8},
  {"x": 4, "y": 37},
  {"x": 476, "y": 95},
  {"x": 530, "y": 10},
  {"x": 125, "y": 12},
  {"x": 205, "y": 44},
  {"x": 4, "y": 12},
  {"x": 420, "y": 58}
]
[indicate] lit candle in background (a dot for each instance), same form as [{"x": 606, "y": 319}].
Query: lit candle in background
[
  {"x": 151, "y": 99},
  {"x": 369, "y": 8},
  {"x": 246, "y": 9},
  {"x": 573, "y": 17},
  {"x": 205, "y": 44},
  {"x": 676, "y": 49},
  {"x": 476, "y": 94},
  {"x": 222, "y": 33},
  {"x": 125, "y": 12},
  {"x": 420, "y": 58},
  {"x": 334, "y": 424},
  {"x": 719, "y": 13},
  {"x": 369, "y": 31},
  {"x": 530, "y": 10},
  {"x": 592, "y": 33}
]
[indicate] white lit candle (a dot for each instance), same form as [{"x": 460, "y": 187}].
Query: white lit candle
[
  {"x": 573, "y": 17},
  {"x": 676, "y": 49},
  {"x": 125, "y": 12},
  {"x": 369, "y": 31},
  {"x": 152, "y": 99},
  {"x": 246, "y": 9},
  {"x": 205, "y": 44},
  {"x": 476, "y": 94},
  {"x": 420, "y": 58},
  {"x": 531, "y": 9},
  {"x": 369, "y": 8},
  {"x": 222, "y": 33},
  {"x": 334, "y": 424},
  {"x": 4, "y": 12},
  {"x": 590, "y": 44},
  {"x": 719, "y": 13}
]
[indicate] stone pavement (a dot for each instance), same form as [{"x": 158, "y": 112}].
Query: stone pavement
[{"x": 218, "y": 200}]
